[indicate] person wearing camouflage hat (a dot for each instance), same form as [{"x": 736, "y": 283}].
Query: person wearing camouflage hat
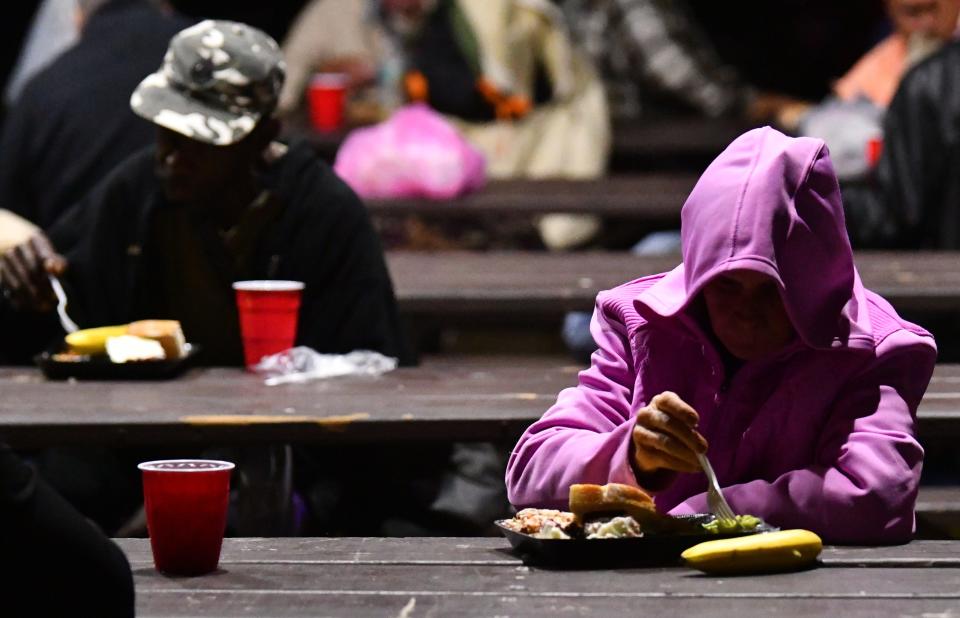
[
  {"x": 215, "y": 200},
  {"x": 218, "y": 80}
]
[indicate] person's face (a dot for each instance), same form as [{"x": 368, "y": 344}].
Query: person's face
[
  {"x": 747, "y": 314},
  {"x": 931, "y": 18},
  {"x": 193, "y": 172}
]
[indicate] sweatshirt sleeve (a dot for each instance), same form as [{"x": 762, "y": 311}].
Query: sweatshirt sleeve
[
  {"x": 863, "y": 485},
  {"x": 585, "y": 436}
]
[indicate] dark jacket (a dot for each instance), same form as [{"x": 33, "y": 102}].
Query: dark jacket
[
  {"x": 323, "y": 237},
  {"x": 72, "y": 123},
  {"x": 914, "y": 201},
  {"x": 53, "y": 562}
]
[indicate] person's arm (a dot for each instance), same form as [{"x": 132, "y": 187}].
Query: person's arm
[
  {"x": 53, "y": 559},
  {"x": 863, "y": 484},
  {"x": 679, "y": 61},
  {"x": 586, "y": 436}
]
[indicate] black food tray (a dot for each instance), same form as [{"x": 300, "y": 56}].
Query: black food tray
[
  {"x": 100, "y": 367},
  {"x": 648, "y": 550}
]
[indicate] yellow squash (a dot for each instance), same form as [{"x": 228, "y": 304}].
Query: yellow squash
[
  {"x": 93, "y": 340},
  {"x": 785, "y": 550}
]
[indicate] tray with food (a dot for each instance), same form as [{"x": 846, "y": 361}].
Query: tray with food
[
  {"x": 143, "y": 350},
  {"x": 613, "y": 525}
]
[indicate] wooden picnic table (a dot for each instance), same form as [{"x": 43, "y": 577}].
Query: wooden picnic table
[
  {"x": 508, "y": 285},
  {"x": 448, "y": 398},
  {"x": 480, "y": 576}
]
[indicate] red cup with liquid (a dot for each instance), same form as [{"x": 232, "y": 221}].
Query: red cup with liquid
[
  {"x": 326, "y": 98},
  {"x": 268, "y": 316},
  {"x": 186, "y": 504}
]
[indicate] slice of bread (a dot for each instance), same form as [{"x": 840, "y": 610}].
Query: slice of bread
[
  {"x": 127, "y": 349},
  {"x": 619, "y": 499},
  {"x": 610, "y": 498},
  {"x": 167, "y": 332}
]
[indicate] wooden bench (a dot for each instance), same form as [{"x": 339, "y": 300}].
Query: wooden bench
[
  {"x": 491, "y": 398},
  {"x": 938, "y": 511},
  {"x": 510, "y": 285},
  {"x": 648, "y": 198},
  {"x": 480, "y": 576},
  {"x": 681, "y": 143}
]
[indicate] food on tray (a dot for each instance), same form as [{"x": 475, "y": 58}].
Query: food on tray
[
  {"x": 532, "y": 521},
  {"x": 601, "y": 512},
  {"x": 618, "y": 499},
  {"x": 127, "y": 348},
  {"x": 93, "y": 341},
  {"x": 740, "y": 523},
  {"x": 145, "y": 340},
  {"x": 551, "y": 530},
  {"x": 774, "y": 551},
  {"x": 614, "y": 497},
  {"x": 167, "y": 332},
  {"x": 70, "y": 357},
  {"x": 614, "y": 528}
]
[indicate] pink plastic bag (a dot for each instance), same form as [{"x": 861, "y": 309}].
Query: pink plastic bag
[{"x": 415, "y": 153}]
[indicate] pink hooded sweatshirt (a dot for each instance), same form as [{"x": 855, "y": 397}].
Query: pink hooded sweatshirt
[{"x": 819, "y": 435}]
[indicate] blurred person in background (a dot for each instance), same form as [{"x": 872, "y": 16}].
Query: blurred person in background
[
  {"x": 914, "y": 199},
  {"x": 52, "y": 30},
  {"x": 881, "y": 203},
  {"x": 919, "y": 27},
  {"x": 215, "y": 199},
  {"x": 72, "y": 122},
  {"x": 655, "y": 59},
  {"x": 504, "y": 72}
]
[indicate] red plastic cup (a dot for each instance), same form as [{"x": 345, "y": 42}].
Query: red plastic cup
[
  {"x": 326, "y": 96},
  {"x": 874, "y": 150},
  {"x": 268, "y": 316},
  {"x": 186, "y": 503}
]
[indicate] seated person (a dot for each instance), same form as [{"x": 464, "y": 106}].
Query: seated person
[
  {"x": 72, "y": 122},
  {"x": 216, "y": 200},
  {"x": 919, "y": 27},
  {"x": 504, "y": 72},
  {"x": 913, "y": 201},
  {"x": 54, "y": 561},
  {"x": 655, "y": 60},
  {"x": 764, "y": 344}
]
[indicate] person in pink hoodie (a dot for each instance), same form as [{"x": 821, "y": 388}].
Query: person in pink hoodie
[{"x": 764, "y": 344}]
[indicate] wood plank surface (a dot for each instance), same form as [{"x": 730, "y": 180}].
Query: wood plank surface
[
  {"x": 495, "y": 551},
  {"x": 509, "y": 284},
  {"x": 367, "y": 577},
  {"x": 447, "y": 398},
  {"x": 676, "y": 143},
  {"x": 648, "y": 198}
]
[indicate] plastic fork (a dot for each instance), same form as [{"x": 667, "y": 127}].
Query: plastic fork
[
  {"x": 717, "y": 503},
  {"x": 68, "y": 325}
]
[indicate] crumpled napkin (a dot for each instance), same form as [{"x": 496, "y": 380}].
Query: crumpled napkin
[{"x": 302, "y": 364}]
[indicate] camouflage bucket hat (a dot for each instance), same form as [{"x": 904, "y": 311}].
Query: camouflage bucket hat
[{"x": 218, "y": 79}]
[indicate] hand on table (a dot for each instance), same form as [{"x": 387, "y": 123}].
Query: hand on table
[
  {"x": 665, "y": 436},
  {"x": 24, "y": 272}
]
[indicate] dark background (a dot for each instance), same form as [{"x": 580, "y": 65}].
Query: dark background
[{"x": 793, "y": 46}]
